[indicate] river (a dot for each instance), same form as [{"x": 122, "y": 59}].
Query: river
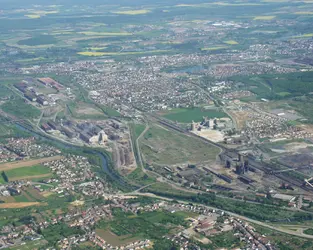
[{"x": 63, "y": 145}]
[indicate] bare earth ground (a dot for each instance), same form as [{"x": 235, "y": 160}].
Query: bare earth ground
[
  {"x": 213, "y": 135},
  {"x": 30, "y": 177},
  {"x": 85, "y": 110},
  {"x": 240, "y": 117},
  {"x": 21, "y": 204},
  {"x": 28, "y": 163}
]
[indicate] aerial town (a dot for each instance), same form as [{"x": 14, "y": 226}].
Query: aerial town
[{"x": 156, "y": 125}]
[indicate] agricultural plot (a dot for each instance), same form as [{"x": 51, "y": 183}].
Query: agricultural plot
[
  {"x": 27, "y": 163},
  {"x": 38, "y": 40},
  {"x": 114, "y": 239},
  {"x": 163, "y": 147},
  {"x": 20, "y": 204},
  {"x": 36, "y": 172}
]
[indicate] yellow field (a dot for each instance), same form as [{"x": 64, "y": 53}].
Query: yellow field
[
  {"x": 132, "y": 12},
  {"x": 21, "y": 204},
  {"x": 214, "y": 48},
  {"x": 33, "y": 16},
  {"x": 304, "y": 13},
  {"x": 264, "y": 17},
  {"x": 77, "y": 203},
  {"x": 231, "y": 42},
  {"x": 95, "y": 53},
  {"x": 91, "y": 53},
  {"x": 304, "y": 36},
  {"x": 97, "y": 48},
  {"x": 43, "y": 12},
  {"x": 91, "y": 33}
]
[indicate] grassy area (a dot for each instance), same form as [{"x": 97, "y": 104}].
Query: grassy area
[
  {"x": 278, "y": 86},
  {"x": 162, "y": 146},
  {"x": 81, "y": 110},
  {"x": 138, "y": 129},
  {"x": 38, "y": 40},
  {"x": 165, "y": 189},
  {"x": 284, "y": 241},
  {"x": 56, "y": 232},
  {"x": 147, "y": 225},
  {"x": 225, "y": 240},
  {"x": 5, "y": 91},
  {"x": 30, "y": 245},
  {"x": 308, "y": 231},
  {"x": 19, "y": 108},
  {"x": 139, "y": 177},
  {"x": 27, "y": 172},
  {"x": 109, "y": 111},
  {"x": 189, "y": 115},
  {"x": 114, "y": 239}
]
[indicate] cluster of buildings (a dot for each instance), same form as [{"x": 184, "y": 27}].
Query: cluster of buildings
[
  {"x": 142, "y": 244},
  {"x": 263, "y": 125},
  {"x": 7, "y": 155},
  {"x": 32, "y": 92},
  {"x": 74, "y": 173},
  {"x": 24, "y": 148},
  {"x": 11, "y": 236},
  {"x": 87, "y": 132},
  {"x": 206, "y": 123},
  {"x": 103, "y": 133},
  {"x": 211, "y": 222}
]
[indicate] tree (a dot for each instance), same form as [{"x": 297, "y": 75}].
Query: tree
[{"x": 4, "y": 176}]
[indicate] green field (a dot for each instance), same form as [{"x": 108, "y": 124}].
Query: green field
[
  {"x": 151, "y": 225},
  {"x": 38, "y": 40},
  {"x": 278, "y": 86},
  {"x": 19, "y": 108},
  {"x": 195, "y": 114},
  {"x": 162, "y": 146},
  {"x": 139, "y": 177},
  {"x": 138, "y": 129},
  {"x": 5, "y": 91},
  {"x": 27, "y": 172}
]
